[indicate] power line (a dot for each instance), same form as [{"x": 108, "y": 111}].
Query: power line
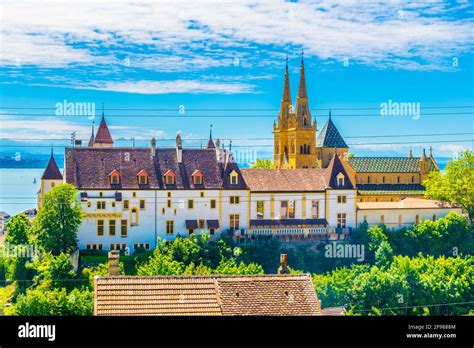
[
  {"x": 239, "y": 116},
  {"x": 261, "y": 138},
  {"x": 270, "y": 145},
  {"x": 234, "y": 109}
]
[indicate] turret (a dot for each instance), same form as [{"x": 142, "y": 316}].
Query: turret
[
  {"x": 51, "y": 178},
  {"x": 179, "y": 149},
  {"x": 303, "y": 115}
]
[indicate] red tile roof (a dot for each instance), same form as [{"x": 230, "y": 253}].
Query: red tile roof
[
  {"x": 283, "y": 294},
  {"x": 103, "y": 134},
  {"x": 52, "y": 171}
]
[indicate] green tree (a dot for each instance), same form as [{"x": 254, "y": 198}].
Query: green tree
[
  {"x": 262, "y": 164},
  {"x": 18, "y": 230},
  {"x": 55, "y": 302},
  {"x": 232, "y": 267},
  {"x": 58, "y": 220},
  {"x": 54, "y": 272},
  {"x": 384, "y": 254},
  {"x": 455, "y": 184}
]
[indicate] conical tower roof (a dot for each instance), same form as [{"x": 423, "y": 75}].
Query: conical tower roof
[
  {"x": 103, "y": 134},
  {"x": 52, "y": 171}
]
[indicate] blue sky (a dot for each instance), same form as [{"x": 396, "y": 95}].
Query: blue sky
[{"x": 225, "y": 55}]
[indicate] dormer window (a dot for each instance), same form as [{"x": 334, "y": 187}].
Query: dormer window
[
  {"x": 197, "y": 177},
  {"x": 234, "y": 178},
  {"x": 142, "y": 177},
  {"x": 114, "y": 177},
  {"x": 340, "y": 179},
  {"x": 169, "y": 177}
]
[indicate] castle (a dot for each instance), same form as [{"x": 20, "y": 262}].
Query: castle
[{"x": 130, "y": 196}]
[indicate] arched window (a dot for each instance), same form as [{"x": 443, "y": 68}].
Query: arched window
[
  {"x": 417, "y": 219},
  {"x": 382, "y": 219},
  {"x": 368, "y": 180},
  {"x": 292, "y": 147},
  {"x": 434, "y": 217},
  {"x": 412, "y": 179},
  {"x": 383, "y": 179},
  {"x": 399, "y": 220},
  {"x": 301, "y": 149},
  {"x": 305, "y": 121},
  {"x": 134, "y": 216},
  {"x": 398, "y": 179}
]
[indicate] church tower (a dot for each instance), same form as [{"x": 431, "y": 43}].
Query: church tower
[{"x": 295, "y": 134}]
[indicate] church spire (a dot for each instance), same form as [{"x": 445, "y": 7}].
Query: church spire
[
  {"x": 210, "y": 142},
  {"x": 91, "y": 140},
  {"x": 285, "y": 106},
  {"x": 302, "y": 86},
  {"x": 303, "y": 115}
]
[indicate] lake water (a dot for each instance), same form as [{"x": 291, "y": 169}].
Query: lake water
[{"x": 17, "y": 190}]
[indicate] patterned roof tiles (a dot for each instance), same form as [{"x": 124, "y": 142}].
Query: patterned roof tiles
[
  {"x": 288, "y": 294},
  {"x": 330, "y": 137},
  {"x": 386, "y": 164}
]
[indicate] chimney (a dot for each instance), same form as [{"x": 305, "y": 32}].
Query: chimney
[
  {"x": 283, "y": 269},
  {"x": 114, "y": 264},
  {"x": 78, "y": 143},
  {"x": 153, "y": 147},
  {"x": 179, "y": 149}
]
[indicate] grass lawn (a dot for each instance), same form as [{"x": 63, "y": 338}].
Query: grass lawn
[{"x": 129, "y": 262}]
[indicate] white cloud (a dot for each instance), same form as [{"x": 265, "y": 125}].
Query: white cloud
[{"x": 188, "y": 36}]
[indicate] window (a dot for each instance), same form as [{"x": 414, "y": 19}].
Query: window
[
  {"x": 134, "y": 194},
  {"x": 260, "y": 209},
  {"x": 145, "y": 246},
  {"x": 434, "y": 217},
  {"x": 169, "y": 226},
  {"x": 212, "y": 231},
  {"x": 118, "y": 246},
  {"x": 234, "y": 178},
  {"x": 201, "y": 223},
  {"x": 213, "y": 204},
  {"x": 111, "y": 227},
  {"x": 113, "y": 204},
  {"x": 399, "y": 220},
  {"x": 134, "y": 217},
  {"x": 190, "y": 204},
  {"x": 163, "y": 211},
  {"x": 197, "y": 177},
  {"x": 190, "y": 231},
  {"x": 95, "y": 246},
  {"x": 142, "y": 177},
  {"x": 340, "y": 179},
  {"x": 125, "y": 204},
  {"x": 417, "y": 219},
  {"x": 169, "y": 177},
  {"x": 341, "y": 220},
  {"x": 123, "y": 228},
  {"x": 169, "y": 194},
  {"x": 142, "y": 204},
  {"x": 169, "y": 203},
  {"x": 291, "y": 209},
  {"x": 88, "y": 204},
  {"x": 100, "y": 205},
  {"x": 234, "y": 199},
  {"x": 284, "y": 209},
  {"x": 53, "y": 184},
  {"x": 314, "y": 209},
  {"x": 114, "y": 177},
  {"x": 341, "y": 199},
  {"x": 101, "y": 194},
  {"x": 100, "y": 227},
  {"x": 398, "y": 179},
  {"x": 201, "y": 194},
  {"x": 234, "y": 221},
  {"x": 412, "y": 179},
  {"x": 368, "y": 180},
  {"x": 382, "y": 219}
]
